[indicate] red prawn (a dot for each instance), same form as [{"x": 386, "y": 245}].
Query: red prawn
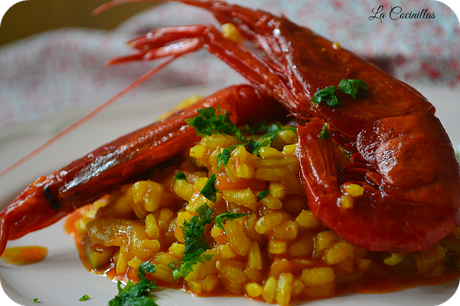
[
  {"x": 404, "y": 157},
  {"x": 52, "y": 197}
]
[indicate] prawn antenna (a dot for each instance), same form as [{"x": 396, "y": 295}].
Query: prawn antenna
[{"x": 113, "y": 3}]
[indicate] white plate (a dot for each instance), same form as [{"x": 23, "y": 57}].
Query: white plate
[{"x": 61, "y": 279}]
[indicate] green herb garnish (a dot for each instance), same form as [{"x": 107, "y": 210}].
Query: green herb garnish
[
  {"x": 255, "y": 146},
  {"x": 208, "y": 123},
  {"x": 193, "y": 231},
  {"x": 227, "y": 216},
  {"x": 224, "y": 156},
  {"x": 188, "y": 262},
  {"x": 353, "y": 87},
  {"x": 176, "y": 270},
  {"x": 324, "y": 134},
  {"x": 84, "y": 298},
  {"x": 262, "y": 195},
  {"x": 180, "y": 176},
  {"x": 195, "y": 241},
  {"x": 265, "y": 140},
  {"x": 326, "y": 95},
  {"x": 36, "y": 300},
  {"x": 239, "y": 136},
  {"x": 256, "y": 129},
  {"x": 209, "y": 190},
  {"x": 136, "y": 294}
]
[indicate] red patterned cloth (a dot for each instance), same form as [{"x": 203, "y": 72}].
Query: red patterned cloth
[{"x": 62, "y": 69}]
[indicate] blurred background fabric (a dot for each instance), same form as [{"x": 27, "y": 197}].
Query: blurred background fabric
[{"x": 63, "y": 68}]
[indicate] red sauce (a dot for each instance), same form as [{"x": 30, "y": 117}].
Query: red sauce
[{"x": 24, "y": 255}]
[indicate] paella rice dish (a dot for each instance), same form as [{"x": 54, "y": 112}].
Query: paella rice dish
[
  {"x": 323, "y": 176},
  {"x": 231, "y": 218}
]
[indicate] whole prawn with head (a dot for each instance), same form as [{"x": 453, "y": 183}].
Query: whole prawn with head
[{"x": 399, "y": 153}]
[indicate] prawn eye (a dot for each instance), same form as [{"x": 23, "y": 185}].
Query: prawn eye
[{"x": 52, "y": 201}]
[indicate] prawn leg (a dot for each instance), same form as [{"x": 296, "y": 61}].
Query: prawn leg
[{"x": 181, "y": 40}]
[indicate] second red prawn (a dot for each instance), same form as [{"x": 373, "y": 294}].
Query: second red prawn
[{"x": 52, "y": 197}]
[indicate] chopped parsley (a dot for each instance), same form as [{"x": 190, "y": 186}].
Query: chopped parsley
[
  {"x": 180, "y": 176},
  {"x": 194, "y": 229},
  {"x": 262, "y": 195},
  {"x": 252, "y": 145},
  {"x": 208, "y": 123},
  {"x": 137, "y": 294},
  {"x": 326, "y": 95},
  {"x": 188, "y": 262},
  {"x": 36, "y": 300},
  {"x": 353, "y": 87},
  {"x": 324, "y": 134},
  {"x": 195, "y": 240},
  {"x": 255, "y": 146},
  {"x": 227, "y": 216},
  {"x": 239, "y": 136},
  {"x": 84, "y": 298},
  {"x": 209, "y": 190},
  {"x": 265, "y": 140},
  {"x": 256, "y": 129},
  {"x": 224, "y": 156}
]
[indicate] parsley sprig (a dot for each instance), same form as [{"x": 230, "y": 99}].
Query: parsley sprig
[
  {"x": 263, "y": 194},
  {"x": 265, "y": 140},
  {"x": 137, "y": 294},
  {"x": 326, "y": 95},
  {"x": 207, "y": 122},
  {"x": 224, "y": 156},
  {"x": 227, "y": 216},
  {"x": 194, "y": 229},
  {"x": 209, "y": 190},
  {"x": 180, "y": 176},
  {"x": 253, "y": 146},
  {"x": 195, "y": 240},
  {"x": 353, "y": 87},
  {"x": 324, "y": 134},
  {"x": 84, "y": 298}
]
